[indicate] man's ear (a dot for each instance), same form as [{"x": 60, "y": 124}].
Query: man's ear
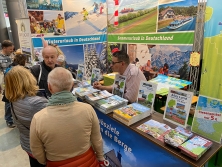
[{"x": 50, "y": 88}]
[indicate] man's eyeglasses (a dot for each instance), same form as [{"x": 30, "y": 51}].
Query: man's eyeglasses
[{"x": 115, "y": 62}]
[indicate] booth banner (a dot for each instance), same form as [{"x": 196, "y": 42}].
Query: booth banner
[
  {"x": 125, "y": 148},
  {"x": 159, "y": 31},
  {"x": 92, "y": 55},
  {"x": 77, "y": 27},
  {"x": 67, "y": 17},
  {"x": 211, "y": 80},
  {"x": 24, "y": 35},
  {"x": 208, "y": 118},
  {"x": 70, "y": 40}
]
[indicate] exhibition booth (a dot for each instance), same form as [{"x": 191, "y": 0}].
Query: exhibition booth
[{"x": 157, "y": 31}]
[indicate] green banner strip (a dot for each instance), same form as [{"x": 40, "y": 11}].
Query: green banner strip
[{"x": 160, "y": 38}]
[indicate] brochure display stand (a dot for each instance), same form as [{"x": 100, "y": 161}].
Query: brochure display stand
[{"x": 134, "y": 147}]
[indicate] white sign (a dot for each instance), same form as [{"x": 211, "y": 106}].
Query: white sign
[
  {"x": 146, "y": 94},
  {"x": 178, "y": 107},
  {"x": 24, "y": 34}
]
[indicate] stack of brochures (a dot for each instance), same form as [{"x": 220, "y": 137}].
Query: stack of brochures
[
  {"x": 93, "y": 97},
  {"x": 82, "y": 92},
  {"x": 195, "y": 147},
  {"x": 131, "y": 113},
  {"x": 155, "y": 129},
  {"x": 111, "y": 103}
]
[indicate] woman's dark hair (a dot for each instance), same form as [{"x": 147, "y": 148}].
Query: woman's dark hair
[
  {"x": 136, "y": 60},
  {"x": 166, "y": 65}
]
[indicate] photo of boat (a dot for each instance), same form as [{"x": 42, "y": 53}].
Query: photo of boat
[
  {"x": 126, "y": 10},
  {"x": 179, "y": 23}
]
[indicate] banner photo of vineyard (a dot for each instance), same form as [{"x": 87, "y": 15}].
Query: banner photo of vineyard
[{"x": 146, "y": 29}]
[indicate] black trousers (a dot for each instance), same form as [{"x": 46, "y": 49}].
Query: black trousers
[{"x": 34, "y": 162}]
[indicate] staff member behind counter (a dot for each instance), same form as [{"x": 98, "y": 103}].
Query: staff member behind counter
[{"x": 121, "y": 64}]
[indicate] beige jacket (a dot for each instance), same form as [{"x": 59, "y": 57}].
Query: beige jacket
[{"x": 65, "y": 131}]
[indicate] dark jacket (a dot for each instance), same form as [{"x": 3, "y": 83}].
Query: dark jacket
[{"x": 35, "y": 70}]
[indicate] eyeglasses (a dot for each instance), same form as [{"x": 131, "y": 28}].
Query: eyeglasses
[{"x": 115, "y": 62}]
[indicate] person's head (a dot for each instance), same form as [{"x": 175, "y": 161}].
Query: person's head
[
  {"x": 148, "y": 62},
  {"x": 60, "y": 79},
  {"x": 165, "y": 66},
  {"x": 50, "y": 55},
  {"x": 61, "y": 60},
  {"x": 120, "y": 61},
  {"x": 19, "y": 82},
  {"x": 136, "y": 60},
  {"x": 7, "y": 47},
  {"x": 83, "y": 9},
  {"x": 59, "y": 16},
  {"x": 20, "y": 59}
]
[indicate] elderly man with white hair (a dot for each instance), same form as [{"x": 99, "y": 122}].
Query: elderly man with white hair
[
  {"x": 66, "y": 132},
  {"x": 41, "y": 71}
]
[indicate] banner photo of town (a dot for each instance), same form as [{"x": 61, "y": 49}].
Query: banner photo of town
[
  {"x": 125, "y": 148},
  {"x": 156, "y": 35},
  {"x": 77, "y": 27},
  {"x": 210, "y": 77}
]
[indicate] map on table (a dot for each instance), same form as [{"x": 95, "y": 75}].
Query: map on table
[
  {"x": 164, "y": 83},
  {"x": 208, "y": 118}
]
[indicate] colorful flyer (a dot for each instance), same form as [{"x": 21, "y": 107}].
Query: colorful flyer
[
  {"x": 95, "y": 75},
  {"x": 178, "y": 107},
  {"x": 146, "y": 94},
  {"x": 119, "y": 85},
  {"x": 164, "y": 83},
  {"x": 207, "y": 119},
  {"x": 80, "y": 72}
]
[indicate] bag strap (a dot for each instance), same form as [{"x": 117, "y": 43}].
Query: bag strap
[
  {"x": 17, "y": 117},
  {"x": 40, "y": 73}
]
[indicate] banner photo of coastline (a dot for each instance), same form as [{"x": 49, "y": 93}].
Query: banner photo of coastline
[{"x": 160, "y": 33}]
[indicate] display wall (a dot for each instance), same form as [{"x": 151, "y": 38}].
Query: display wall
[
  {"x": 161, "y": 31},
  {"x": 211, "y": 80},
  {"x": 75, "y": 26}
]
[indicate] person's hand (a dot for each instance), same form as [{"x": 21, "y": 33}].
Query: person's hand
[
  {"x": 97, "y": 85},
  {"x": 104, "y": 163}
]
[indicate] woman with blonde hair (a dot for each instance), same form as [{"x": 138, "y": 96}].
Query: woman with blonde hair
[{"x": 20, "y": 90}]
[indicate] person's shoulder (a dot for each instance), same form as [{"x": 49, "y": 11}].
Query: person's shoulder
[
  {"x": 35, "y": 68},
  {"x": 83, "y": 105},
  {"x": 36, "y": 100},
  {"x": 134, "y": 70}
]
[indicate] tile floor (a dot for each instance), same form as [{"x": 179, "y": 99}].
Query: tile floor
[{"x": 11, "y": 153}]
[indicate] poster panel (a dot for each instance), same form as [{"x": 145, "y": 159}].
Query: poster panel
[
  {"x": 88, "y": 50},
  {"x": 25, "y": 38},
  {"x": 208, "y": 118},
  {"x": 160, "y": 32},
  {"x": 85, "y": 16},
  {"x": 211, "y": 80}
]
